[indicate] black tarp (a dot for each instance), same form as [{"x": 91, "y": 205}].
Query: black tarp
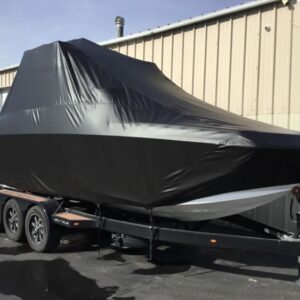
[{"x": 88, "y": 123}]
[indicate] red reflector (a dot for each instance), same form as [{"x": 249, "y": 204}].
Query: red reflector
[{"x": 296, "y": 191}]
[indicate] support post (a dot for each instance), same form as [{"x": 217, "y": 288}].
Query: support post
[
  {"x": 298, "y": 266},
  {"x": 298, "y": 223},
  {"x": 297, "y": 236},
  {"x": 151, "y": 236},
  {"x": 100, "y": 227}
]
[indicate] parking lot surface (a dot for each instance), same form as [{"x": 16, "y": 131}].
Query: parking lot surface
[{"x": 76, "y": 270}]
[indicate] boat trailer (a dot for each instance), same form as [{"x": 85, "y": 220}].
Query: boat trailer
[{"x": 51, "y": 213}]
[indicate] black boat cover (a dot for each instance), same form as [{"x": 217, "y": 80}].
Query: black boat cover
[{"x": 85, "y": 122}]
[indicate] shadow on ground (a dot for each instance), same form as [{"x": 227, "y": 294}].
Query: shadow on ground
[
  {"x": 15, "y": 250},
  {"x": 181, "y": 259},
  {"x": 40, "y": 279}
]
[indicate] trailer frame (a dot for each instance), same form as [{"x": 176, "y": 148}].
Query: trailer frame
[{"x": 259, "y": 237}]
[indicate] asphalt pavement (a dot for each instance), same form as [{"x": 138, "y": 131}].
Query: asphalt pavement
[{"x": 76, "y": 270}]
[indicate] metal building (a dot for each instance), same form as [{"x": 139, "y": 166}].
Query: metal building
[
  {"x": 7, "y": 76},
  {"x": 244, "y": 59}
]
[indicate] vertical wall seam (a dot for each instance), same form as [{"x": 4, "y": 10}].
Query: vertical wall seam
[
  {"x": 162, "y": 53},
  {"x": 274, "y": 64},
  {"x": 217, "y": 62},
  {"x": 204, "y": 67},
  {"x": 258, "y": 65},
  {"x": 182, "y": 58},
  {"x": 244, "y": 63},
  {"x": 193, "y": 60},
  {"x": 134, "y": 49},
  {"x": 230, "y": 63},
  {"x": 143, "y": 50},
  {"x": 172, "y": 51},
  {"x": 152, "y": 49},
  {"x": 290, "y": 68}
]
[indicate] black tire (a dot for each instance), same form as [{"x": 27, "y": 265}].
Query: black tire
[
  {"x": 42, "y": 235},
  {"x": 13, "y": 221}
]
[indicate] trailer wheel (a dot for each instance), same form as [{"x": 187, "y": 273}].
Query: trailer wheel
[
  {"x": 13, "y": 221},
  {"x": 42, "y": 235}
]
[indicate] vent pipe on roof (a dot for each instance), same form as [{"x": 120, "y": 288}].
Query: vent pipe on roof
[{"x": 119, "y": 21}]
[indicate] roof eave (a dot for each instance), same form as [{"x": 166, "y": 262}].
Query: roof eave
[{"x": 203, "y": 18}]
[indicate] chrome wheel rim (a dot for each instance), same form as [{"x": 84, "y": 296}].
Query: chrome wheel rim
[
  {"x": 36, "y": 229},
  {"x": 12, "y": 220}
]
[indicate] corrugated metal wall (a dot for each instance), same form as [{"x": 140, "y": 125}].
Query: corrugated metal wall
[
  {"x": 247, "y": 63},
  {"x": 7, "y": 77}
]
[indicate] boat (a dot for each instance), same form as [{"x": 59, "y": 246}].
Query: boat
[{"x": 84, "y": 122}]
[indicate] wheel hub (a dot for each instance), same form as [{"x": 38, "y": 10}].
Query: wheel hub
[
  {"x": 36, "y": 229},
  {"x": 12, "y": 220}
]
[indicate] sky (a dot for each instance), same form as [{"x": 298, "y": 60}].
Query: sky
[{"x": 25, "y": 24}]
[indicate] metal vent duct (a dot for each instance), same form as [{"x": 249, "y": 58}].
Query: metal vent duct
[{"x": 119, "y": 21}]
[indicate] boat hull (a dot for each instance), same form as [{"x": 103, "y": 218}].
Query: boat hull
[
  {"x": 223, "y": 205},
  {"x": 136, "y": 171}
]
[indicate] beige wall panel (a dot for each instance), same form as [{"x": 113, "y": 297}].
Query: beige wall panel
[
  {"x": 188, "y": 61},
  {"x": 295, "y": 72},
  {"x": 15, "y": 73},
  {"x": 139, "y": 50},
  {"x": 167, "y": 55},
  {"x": 282, "y": 67},
  {"x": 224, "y": 64},
  {"x": 123, "y": 49},
  {"x": 177, "y": 58},
  {"x": 237, "y": 62},
  {"x": 115, "y": 48},
  {"x": 211, "y": 64},
  {"x": 131, "y": 49},
  {"x": 11, "y": 78},
  {"x": 251, "y": 72},
  {"x": 199, "y": 62},
  {"x": 157, "y": 51},
  {"x": 266, "y": 75},
  {"x": 5, "y": 80},
  {"x": 149, "y": 50},
  {"x": 2, "y": 80}
]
